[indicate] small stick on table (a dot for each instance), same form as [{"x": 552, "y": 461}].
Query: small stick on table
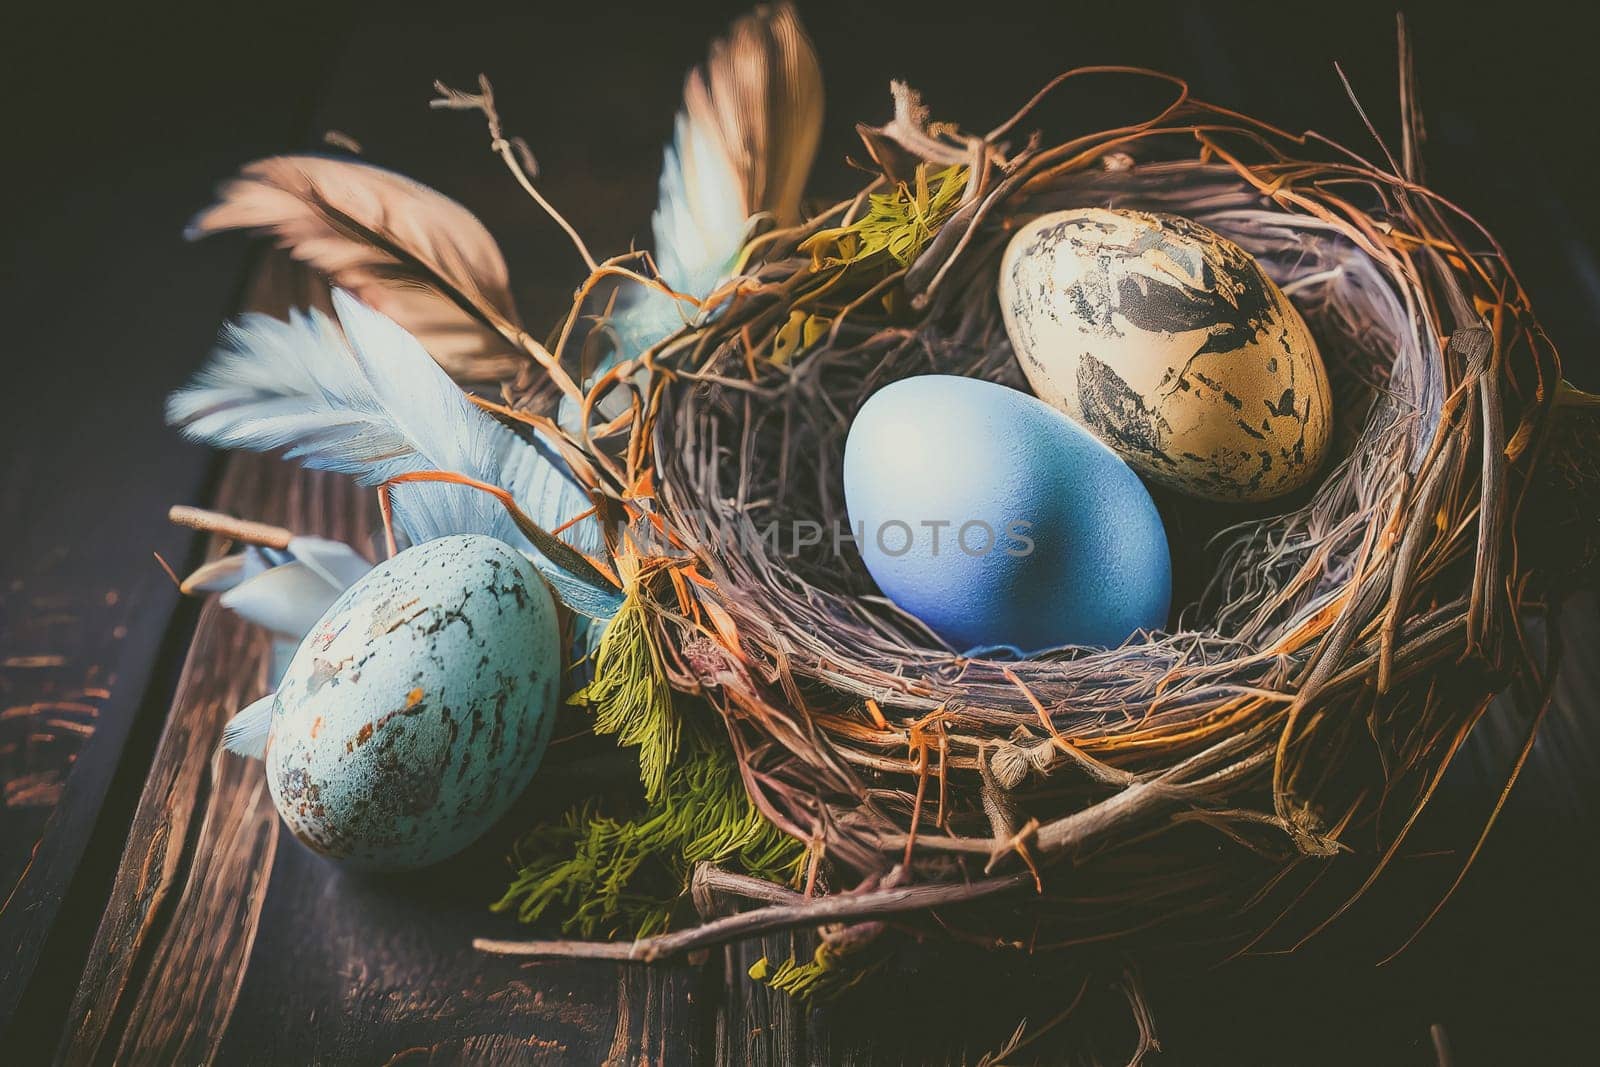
[{"x": 243, "y": 530}]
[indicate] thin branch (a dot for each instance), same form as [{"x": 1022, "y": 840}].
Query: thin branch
[
  {"x": 514, "y": 151},
  {"x": 841, "y": 907}
]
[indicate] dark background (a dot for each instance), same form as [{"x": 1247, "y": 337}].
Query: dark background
[{"x": 119, "y": 121}]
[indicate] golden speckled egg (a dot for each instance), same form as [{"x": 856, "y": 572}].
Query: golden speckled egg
[{"x": 1169, "y": 343}]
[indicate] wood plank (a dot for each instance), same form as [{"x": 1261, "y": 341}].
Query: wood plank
[
  {"x": 72, "y": 669},
  {"x": 187, "y": 897},
  {"x": 368, "y": 969},
  {"x": 106, "y": 309}
]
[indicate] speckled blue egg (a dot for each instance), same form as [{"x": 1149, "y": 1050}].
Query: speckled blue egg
[
  {"x": 419, "y": 707},
  {"x": 997, "y": 521}
]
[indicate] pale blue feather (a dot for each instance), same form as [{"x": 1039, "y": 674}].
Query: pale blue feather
[
  {"x": 247, "y": 733},
  {"x": 699, "y": 227},
  {"x": 374, "y": 408},
  {"x": 700, "y": 217}
]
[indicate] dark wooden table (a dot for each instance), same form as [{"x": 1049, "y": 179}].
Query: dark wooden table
[{"x": 150, "y": 909}]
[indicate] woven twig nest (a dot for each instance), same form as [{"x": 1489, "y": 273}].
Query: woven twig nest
[{"x": 1331, "y": 652}]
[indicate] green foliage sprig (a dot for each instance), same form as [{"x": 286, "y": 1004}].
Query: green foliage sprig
[
  {"x": 624, "y": 876},
  {"x": 630, "y": 696},
  {"x": 624, "y": 873},
  {"x": 889, "y": 235}
]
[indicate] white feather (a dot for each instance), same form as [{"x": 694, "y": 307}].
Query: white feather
[
  {"x": 334, "y": 561},
  {"x": 217, "y": 576},
  {"x": 375, "y": 407},
  {"x": 247, "y": 733},
  {"x": 286, "y": 600},
  {"x": 283, "y": 652},
  {"x": 700, "y": 218},
  {"x": 699, "y": 226}
]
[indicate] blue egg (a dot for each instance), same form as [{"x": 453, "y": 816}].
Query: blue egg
[
  {"x": 998, "y": 521},
  {"x": 418, "y": 708}
]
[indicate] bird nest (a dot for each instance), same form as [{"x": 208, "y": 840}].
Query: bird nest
[{"x": 1331, "y": 651}]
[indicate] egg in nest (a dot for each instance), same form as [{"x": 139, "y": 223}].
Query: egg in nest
[
  {"x": 1169, "y": 343},
  {"x": 997, "y": 521}
]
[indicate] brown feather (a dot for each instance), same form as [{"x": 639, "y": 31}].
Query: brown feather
[
  {"x": 761, "y": 89},
  {"x": 415, "y": 255}
]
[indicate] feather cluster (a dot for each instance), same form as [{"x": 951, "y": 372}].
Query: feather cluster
[
  {"x": 283, "y": 591},
  {"x": 371, "y": 403}
]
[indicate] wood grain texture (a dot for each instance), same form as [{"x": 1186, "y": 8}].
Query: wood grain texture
[
  {"x": 56, "y": 669},
  {"x": 106, "y": 309},
  {"x": 171, "y": 950},
  {"x": 84, "y": 612}
]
